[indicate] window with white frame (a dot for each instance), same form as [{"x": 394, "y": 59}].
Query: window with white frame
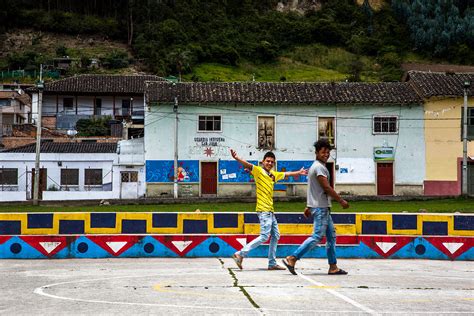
[
  {"x": 327, "y": 130},
  {"x": 93, "y": 176},
  {"x": 69, "y": 177},
  {"x": 210, "y": 123},
  {"x": 385, "y": 125},
  {"x": 8, "y": 176},
  {"x": 266, "y": 132}
]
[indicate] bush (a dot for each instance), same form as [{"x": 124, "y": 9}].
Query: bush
[{"x": 115, "y": 60}]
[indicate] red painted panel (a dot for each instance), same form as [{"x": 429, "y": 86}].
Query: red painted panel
[
  {"x": 442, "y": 188},
  {"x": 384, "y": 179},
  {"x": 209, "y": 178}
]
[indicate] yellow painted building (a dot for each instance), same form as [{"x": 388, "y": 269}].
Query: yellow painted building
[{"x": 444, "y": 99}]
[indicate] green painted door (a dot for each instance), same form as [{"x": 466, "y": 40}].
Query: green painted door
[{"x": 470, "y": 178}]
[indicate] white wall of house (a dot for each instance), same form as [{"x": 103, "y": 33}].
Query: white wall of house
[
  {"x": 296, "y": 129},
  {"x": 123, "y": 174},
  {"x": 53, "y": 104}
]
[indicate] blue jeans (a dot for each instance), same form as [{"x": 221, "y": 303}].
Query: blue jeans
[
  {"x": 323, "y": 226},
  {"x": 268, "y": 229}
]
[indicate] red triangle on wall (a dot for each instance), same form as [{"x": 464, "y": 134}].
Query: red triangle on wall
[
  {"x": 115, "y": 244},
  {"x": 386, "y": 245},
  {"x": 48, "y": 245},
  {"x": 452, "y": 247},
  {"x": 180, "y": 244}
]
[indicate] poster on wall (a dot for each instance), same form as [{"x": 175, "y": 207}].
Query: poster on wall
[
  {"x": 233, "y": 171},
  {"x": 162, "y": 171}
]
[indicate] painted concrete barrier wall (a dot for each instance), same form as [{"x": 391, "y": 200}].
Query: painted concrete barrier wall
[{"x": 130, "y": 234}]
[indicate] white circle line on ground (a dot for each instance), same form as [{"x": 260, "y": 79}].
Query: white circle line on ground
[
  {"x": 341, "y": 296},
  {"x": 40, "y": 291}
]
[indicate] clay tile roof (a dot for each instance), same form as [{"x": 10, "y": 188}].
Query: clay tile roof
[
  {"x": 290, "y": 93},
  {"x": 100, "y": 84},
  {"x": 23, "y": 97},
  {"x": 67, "y": 148},
  {"x": 430, "y": 84}
]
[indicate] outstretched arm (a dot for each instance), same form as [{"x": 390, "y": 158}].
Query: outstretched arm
[
  {"x": 245, "y": 163},
  {"x": 301, "y": 172}
]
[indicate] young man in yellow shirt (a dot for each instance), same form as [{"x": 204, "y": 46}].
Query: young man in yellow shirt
[{"x": 265, "y": 179}]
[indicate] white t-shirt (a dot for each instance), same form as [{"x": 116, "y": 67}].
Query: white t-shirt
[{"x": 316, "y": 196}]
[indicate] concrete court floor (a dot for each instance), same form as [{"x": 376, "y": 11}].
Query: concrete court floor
[{"x": 214, "y": 286}]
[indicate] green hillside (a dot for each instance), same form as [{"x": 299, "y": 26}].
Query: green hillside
[{"x": 264, "y": 40}]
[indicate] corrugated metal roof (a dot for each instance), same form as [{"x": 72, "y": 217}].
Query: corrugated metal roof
[{"x": 67, "y": 148}]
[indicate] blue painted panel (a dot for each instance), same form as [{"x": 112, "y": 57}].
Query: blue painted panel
[
  {"x": 286, "y": 218},
  {"x": 226, "y": 220},
  {"x": 130, "y": 226},
  {"x": 374, "y": 227},
  {"x": 343, "y": 218},
  {"x": 233, "y": 171},
  {"x": 16, "y": 248},
  {"x": 251, "y": 218},
  {"x": 404, "y": 221},
  {"x": 162, "y": 170},
  {"x": 103, "y": 220},
  {"x": 165, "y": 220},
  {"x": 10, "y": 227},
  {"x": 71, "y": 227},
  {"x": 83, "y": 247},
  {"x": 40, "y": 220},
  {"x": 191, "y": 226},
  {"x": 294, "y": 165},
  {"x": 435, "y": 228},
  {"x": 463, "y": 222}
]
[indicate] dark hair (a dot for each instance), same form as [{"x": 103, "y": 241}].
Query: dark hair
[
  {"x": 322, "y": 143},
  {"x": 269, "y": 154}
]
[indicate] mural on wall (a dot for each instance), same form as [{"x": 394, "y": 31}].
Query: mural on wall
[
  {"x": 233, "y": 171},
  {"x": 162, "y": 171},
  {"x": 293, "y": 165},
  {"x": 266, "y": 135}
]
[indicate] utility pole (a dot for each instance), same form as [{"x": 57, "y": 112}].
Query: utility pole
[
  {"x": 175, "y": 182},
  {"x": 466, "y": 86},
  {"x": 40, "y": 86}
]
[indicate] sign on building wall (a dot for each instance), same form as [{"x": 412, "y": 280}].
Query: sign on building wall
[
  {"x": 233, "y": 171},
  {"x": 383, "y": 154}
]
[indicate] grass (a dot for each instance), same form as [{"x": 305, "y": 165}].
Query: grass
[
  {"x": 430, "y": 206},
  {"x": 285, "y": 69},
  {"x": 315, "y": 62}
]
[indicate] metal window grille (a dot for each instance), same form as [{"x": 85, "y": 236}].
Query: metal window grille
[
  {"x": 129, "y": 176},
  {"x": 326, "y": 129},
  {"x": 69, "y": 177},
  {"x": 8, "y": 176},
  {"x": 93, "y": 176}
]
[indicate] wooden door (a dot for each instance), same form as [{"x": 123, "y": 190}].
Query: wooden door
[
  {"x": 330, "y": 167},
  {"x": 209, "y": 178},
  {"x": 470, "y": 178},
  {"x": 42, "y": 182},
  {"x": 385, "y": 179}
]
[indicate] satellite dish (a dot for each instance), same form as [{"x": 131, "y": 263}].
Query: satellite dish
[{"x": 71, "y": 132}]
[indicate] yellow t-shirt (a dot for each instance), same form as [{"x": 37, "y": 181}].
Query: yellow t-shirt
[{"x": 265, "y": 183}]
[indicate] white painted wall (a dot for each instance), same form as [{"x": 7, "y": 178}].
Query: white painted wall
[{"x": 296, "y": 131}]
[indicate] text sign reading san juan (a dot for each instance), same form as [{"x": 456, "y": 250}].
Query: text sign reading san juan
[{"x": 209, "y": 141}]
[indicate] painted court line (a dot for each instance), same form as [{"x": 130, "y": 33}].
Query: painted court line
[{"x": 339, "y": 295}]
